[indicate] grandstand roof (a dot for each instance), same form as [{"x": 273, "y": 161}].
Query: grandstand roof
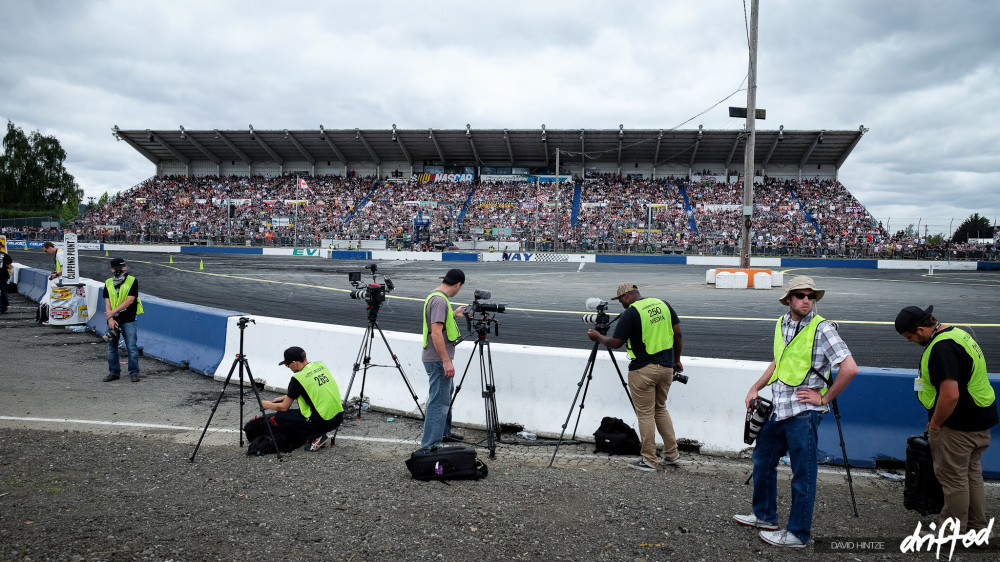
[{"x": 493, "y": 147}]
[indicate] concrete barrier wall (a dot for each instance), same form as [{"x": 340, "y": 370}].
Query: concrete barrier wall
[{"x": 173, "y": 332}]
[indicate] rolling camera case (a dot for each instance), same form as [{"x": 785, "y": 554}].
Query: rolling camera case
[
  {"x": 446, "y": 463},
  {"x": 921, "y": 490}
]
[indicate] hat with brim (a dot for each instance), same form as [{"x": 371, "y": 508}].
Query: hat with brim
[
  {"x": 801, "y": 282},
  {"x": 293, "y": 354},
  {"x": 911, "y": 317},
  {"x": 624, "y": 289}
]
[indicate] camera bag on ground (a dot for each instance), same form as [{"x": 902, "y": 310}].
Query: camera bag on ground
[
  {"x": 615, "y": 437},
  {"x": 260, "y": 439},
  {"x": 921, "y": 490},
  {"x": 446, "y": 463}
]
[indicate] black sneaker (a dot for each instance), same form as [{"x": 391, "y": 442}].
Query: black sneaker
[
  {"x": 317, "y": 443},
  {"x": 453, "y": 438},
  {"x": 110, "y": 378},
  {"x": 134, "y": 378}
]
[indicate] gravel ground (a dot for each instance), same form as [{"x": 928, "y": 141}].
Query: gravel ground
[{"x": 101, "y": 471}]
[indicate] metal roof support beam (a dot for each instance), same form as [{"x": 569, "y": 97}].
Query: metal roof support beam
[
  {"x": 510, "y": 149},
  {"x": 847, "y": 151},
  {"x": 656, "y": 155},
  {"x": 583, "y": 156},
  {"x": 809, "y": 151},
  {"x": 732, "y": 151},
  {"x": 138, "y": 148},
  {"x": 694, "y": 153},
  {"x": 770, "y": 151},
  {"x": 402, "y": 147},
  {"x": 302, "y": 150},
  {"x": 621, "y": 140},
  {"x": 336, "y": 151},
  {"x": 239, "y": 153},
  {"x": 160, "y": 141},
  {"x": 368, "y": 147},
  {"x": 208, "y": 153},
  {"x": 375, "y": 159},
  {"x": 270, "y": 151},
  {"x": 437, "y": 145},
  {"x": 472, "y": 144}
]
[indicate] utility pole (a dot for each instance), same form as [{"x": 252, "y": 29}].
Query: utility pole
[{"x": 748, "y": 160}]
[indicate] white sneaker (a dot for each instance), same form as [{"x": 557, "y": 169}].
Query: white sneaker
[
  {"x": 751, "y": 520},
  {"x": 782, "y": 538}
]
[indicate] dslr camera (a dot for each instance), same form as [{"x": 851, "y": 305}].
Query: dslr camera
[
  {"x": 480, "y": 307},
  {"x": 112, "y": 334},
  {"x": 372, "y": 293}
]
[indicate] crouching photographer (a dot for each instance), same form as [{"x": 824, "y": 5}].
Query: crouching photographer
[
  {"x": 652, "y": 332},
  {"x": 320, "y": 409}
]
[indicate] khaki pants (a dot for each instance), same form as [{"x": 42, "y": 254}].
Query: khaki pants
[
  {"x": 956, "y": 456},
  {"x": 649, "y": 387}
]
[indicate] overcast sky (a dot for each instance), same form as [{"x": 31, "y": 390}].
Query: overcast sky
[{"x": 923, "y": 76}]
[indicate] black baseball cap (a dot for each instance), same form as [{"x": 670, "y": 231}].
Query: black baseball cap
[
  {"x": 293, "y": 354},
  {"x": 911, "y": 317},
  {"x": 117, "y": 263},
  {"x": 454, "y": 276}
]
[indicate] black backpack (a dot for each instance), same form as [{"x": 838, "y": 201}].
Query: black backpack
[
  {"x": 446, "y": 463},
  {"x": 615, "y": 437},
  {"x": 260, "y": 439}
]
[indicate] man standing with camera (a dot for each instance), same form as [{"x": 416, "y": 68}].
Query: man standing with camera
[
  {"x": 440, "y": 336},
  {"x": 961, "y": 406},
  {"x": 652, "y": 332},
  {"x": 806, "y": 349},
  {"x": 121, "y": 307}
]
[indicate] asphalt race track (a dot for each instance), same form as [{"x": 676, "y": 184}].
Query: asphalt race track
[{"x": 545, "y": 301}]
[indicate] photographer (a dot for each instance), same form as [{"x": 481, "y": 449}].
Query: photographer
[
  {"x": 806, "y": 349},
  {"x": 121, "y": 306},
  {"x": 440, "y": 334},
  {"x": 59, "y": 257},
  {"x": 652, "y": 332},
  {"x": 961, "y": 408},
  {"x": 320, "y": 409}
]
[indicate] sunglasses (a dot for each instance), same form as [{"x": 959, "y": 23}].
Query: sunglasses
[{"x": 801, "y": 296}]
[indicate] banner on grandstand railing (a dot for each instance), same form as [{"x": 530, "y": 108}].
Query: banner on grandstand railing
[
  {"x": 719, "y": 207},
  {"x": 201, "y": 201},
  {"x": 529, "y": 205},
  {"x": 641, "y": 230},
  {"x": 281, "y": 221},
  {"x": 503, "y": 178},
  {"x": 592, "y": 205},
  {"x": 855, "y": 209},
  {"x": 499, "y": 205},
  {"x": 140, "y": 199},
  {"x": 434, "y": 178},
  {"x": 296, "y": 202}
]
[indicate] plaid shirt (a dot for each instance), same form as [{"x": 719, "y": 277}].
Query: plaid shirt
[{"x": 828, "y": 350}]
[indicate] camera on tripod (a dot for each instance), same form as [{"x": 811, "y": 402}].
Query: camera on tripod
[
  {"x": 602, "y": 320},
  {"x": 373, "y": 293},
  {"x": 481, "y": 307}
]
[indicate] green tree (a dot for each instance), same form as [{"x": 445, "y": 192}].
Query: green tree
[
  {"x": 32, "y": 174},
  {"x": 975, "y": 226}
]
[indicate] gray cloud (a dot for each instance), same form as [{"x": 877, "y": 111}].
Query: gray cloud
[{"x": 922, "y": 75}]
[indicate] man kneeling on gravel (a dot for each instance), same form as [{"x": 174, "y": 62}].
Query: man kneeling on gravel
[{"x": 320, "y": 409}]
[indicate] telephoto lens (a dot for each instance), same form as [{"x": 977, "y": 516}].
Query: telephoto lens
[
  {"x": 112, "y": 334},
  {"x": 760, "y": 409},
  {"x": 361, "y": 293}
]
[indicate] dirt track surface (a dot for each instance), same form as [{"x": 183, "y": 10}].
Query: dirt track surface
[{"x": 101, "y": 471}]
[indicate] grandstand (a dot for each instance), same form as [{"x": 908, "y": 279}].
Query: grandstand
[{"x": 574, "y": 190}]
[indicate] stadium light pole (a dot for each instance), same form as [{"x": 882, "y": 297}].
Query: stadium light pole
[{"x": 748, "y": 165}]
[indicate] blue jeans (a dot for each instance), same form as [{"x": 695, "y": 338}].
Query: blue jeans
[
  {"x": 797, "y": 437},
  {"x": 437, "y": 415},
  {"x": 129, "y": 334}
]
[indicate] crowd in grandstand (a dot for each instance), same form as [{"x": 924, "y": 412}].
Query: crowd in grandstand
[{"x": 607, "y": 213}]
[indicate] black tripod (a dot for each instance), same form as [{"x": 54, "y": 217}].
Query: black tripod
[
  {"x": 364, "y": 358},
  {"x": 241, "y": 361},
  {"x": 482, "y": 329},
  {"x": 602, "y": 322}
]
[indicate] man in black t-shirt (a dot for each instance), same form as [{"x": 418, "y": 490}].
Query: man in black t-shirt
[
  {"x": 961, "y": 405},
  {"x": 121, "y": 306},
  {"x": 652, "y": 332}
]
